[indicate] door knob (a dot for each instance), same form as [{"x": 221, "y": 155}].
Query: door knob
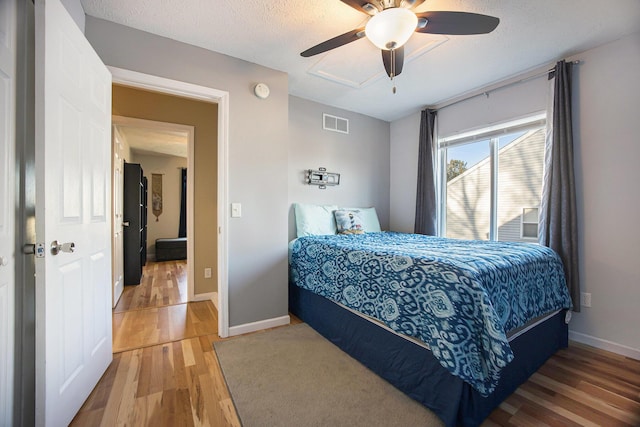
[
  {"x": 125, "y": 223},
  {"x": 4, "y": 261},
  {"x": 62, "y": 247}
]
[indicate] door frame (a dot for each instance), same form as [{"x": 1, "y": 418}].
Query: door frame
[
  {"x": 117, "y": 257},
  {"x": 178, "y": 88}
]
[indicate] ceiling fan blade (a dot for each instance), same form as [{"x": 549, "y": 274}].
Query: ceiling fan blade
[
  {"x": 335, "y": 42},
  {"x": 388, "y": 61},
  {"x": 362, "y": 6},
  {"x": 456, "y": 23}
]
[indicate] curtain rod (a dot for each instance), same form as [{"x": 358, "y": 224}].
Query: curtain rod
[{"x": 498, "y": 86}]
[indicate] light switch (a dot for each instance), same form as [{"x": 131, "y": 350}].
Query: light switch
[{"x": 236, "y": 210}]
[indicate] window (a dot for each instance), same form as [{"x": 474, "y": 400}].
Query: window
[
  {"x": 487, "y": 176},
  {"x": 529, "y": 229}
]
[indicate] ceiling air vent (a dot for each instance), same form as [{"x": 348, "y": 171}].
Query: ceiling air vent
[{"x": 335, "y": 124}]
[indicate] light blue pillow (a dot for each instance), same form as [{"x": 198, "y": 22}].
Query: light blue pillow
[
  {"x": 369, "y": 218},
  {"x": 313, "y": 220}
]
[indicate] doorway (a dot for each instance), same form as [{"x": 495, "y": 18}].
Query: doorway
[
  {"x": 194, "y": 92},
  {"x": 165, "y": 153}
]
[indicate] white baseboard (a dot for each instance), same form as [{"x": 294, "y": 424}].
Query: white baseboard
[
  {"x": 613, "y": 347},
  {"x": 213, "y": 296},
  {"x": 258, "y": 326}
]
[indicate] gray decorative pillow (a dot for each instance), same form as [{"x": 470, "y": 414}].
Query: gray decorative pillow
[{"x": 348, "y": 221}]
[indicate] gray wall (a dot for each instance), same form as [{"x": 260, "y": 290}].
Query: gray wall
[
  {"x": 606, "y": 97},
  {"x": 403, "y": 163},
  {"x": 258, "y": 138},
  {"x": 360, "y": 157},
  {"x": 607, "y": 176}
]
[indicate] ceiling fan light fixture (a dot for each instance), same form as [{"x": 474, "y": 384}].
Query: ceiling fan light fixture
[{"x": 391, "y": 28}]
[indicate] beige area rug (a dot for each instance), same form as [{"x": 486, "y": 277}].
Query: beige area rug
[{"x": 292, "y": 376}]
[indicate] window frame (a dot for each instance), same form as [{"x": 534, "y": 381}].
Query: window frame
[
  {"x": 492, "y": 133},
  {"x": 522, "y": 223}
]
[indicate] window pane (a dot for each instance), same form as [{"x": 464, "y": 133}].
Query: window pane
[
  {"x": 468, "y": 191},
  {"x": 520, "y": 162},
  {"x": 530, "y": 215},
  {"x": 530, "y": 231}
]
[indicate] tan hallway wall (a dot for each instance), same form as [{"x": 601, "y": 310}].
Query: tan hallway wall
[{"x": 141, "y": 104}]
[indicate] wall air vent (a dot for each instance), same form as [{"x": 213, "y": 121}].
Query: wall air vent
[{"x": 335, "y": 124}]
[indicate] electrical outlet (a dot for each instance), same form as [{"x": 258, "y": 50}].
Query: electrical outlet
[
  {"x": 207, "y": 273},
  {"x": 585, "y": 299}
]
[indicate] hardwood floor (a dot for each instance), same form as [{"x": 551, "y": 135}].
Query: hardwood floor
[
  {"x": 173, "y": 384},
  {"x": 145, "y": 327},
  {"x": 163, "y": 283},
  {"x": 578, "y": 386},
  {"x": 164, "y": 370},
  {"x": 166, "y": 373}
]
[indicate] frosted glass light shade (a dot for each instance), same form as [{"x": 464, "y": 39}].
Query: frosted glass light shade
[{"x": 391, "y": 28}]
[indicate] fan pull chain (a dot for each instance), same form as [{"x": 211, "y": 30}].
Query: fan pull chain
[{"x": 393, "y": 70}]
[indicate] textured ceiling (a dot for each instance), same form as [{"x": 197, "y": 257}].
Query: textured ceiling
[
  {"x": 272, "y": 33},
  {"x": 147, "y": 139}
]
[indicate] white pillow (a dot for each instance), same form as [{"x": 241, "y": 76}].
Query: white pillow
[
  {"x": 313, "y": 220},
  {"x": 369, "y": 218}
]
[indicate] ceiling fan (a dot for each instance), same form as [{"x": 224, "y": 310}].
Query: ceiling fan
[{"x": 392, "y": 22}]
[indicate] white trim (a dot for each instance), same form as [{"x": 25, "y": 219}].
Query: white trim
[
  {"x": 178, "y": 88},
  {"x": 260, "y": 325},
  {"x": 523, "y": 123},
  {"x": 214, "y": 299},
  {"x": 223, "y": 217},
  {"x": 613, "y": 347},
  {"x": 208, "y": 296}
]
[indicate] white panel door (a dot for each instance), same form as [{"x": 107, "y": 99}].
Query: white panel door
[
  {"x": 118, "y": 199},
  {"x": 7, "y": 204},
  {"x": 73, "y": 206}
]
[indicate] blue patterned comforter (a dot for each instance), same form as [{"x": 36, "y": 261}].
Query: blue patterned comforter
[{"x": 460, "y": 297}]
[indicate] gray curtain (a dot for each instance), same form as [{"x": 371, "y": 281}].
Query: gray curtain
[
  {"x": 426, "y": 195},
  {"x": 558, "y": 221}
]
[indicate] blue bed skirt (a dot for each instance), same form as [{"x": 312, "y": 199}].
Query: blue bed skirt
[{"x": 414, "y": 370}]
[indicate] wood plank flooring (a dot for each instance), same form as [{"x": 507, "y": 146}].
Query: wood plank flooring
[
  {"x": 173, "y": 378},
  {"x": 164, "y": 370},
  {"x": 155, "y": 325},
  {"x": 163, "y": 283},
  {"x": 578, "y": 386},
  {"x": 173, "y": 384}
]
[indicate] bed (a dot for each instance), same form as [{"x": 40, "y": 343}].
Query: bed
[{"x": 457, "y": 325}]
